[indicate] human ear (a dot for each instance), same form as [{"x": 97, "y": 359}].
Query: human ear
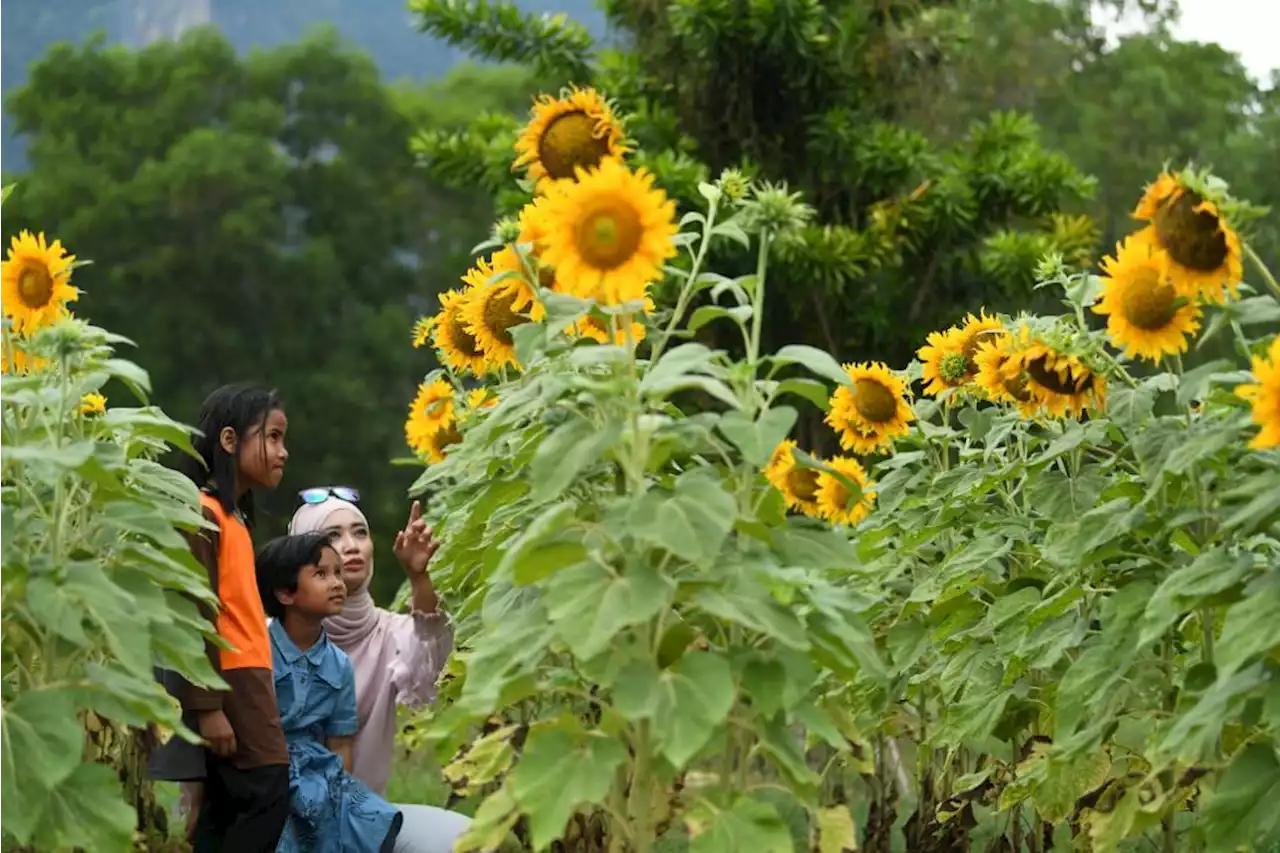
[
  {"x": 286, "y": 598},
  {"x": 227, "y": 438}
]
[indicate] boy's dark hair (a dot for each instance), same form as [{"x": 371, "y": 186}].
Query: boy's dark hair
[
  {"x": 240, "y": 407},
  {"x": 279, "y": 562}
]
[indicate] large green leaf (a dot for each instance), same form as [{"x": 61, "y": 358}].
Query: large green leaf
[
  {"x": 40, "y": 745},
  {"x": 692, "y": 521},
  {"x": 564, "y": 454},
  {"x": 1242, "y": 806},
  {"x": 1209, "y": 574},
  {"x": 561, "y": 768},
  {"x": 1250, "y": 628},
  {"x": 590, "y": 603},
  {"x": 685, "y": 704},
  {"x": 816, "y": 361},
  {"x": 741, "y": 600},
  {"x": 748, "y": 825},
  {"x": 86, "y": 811},
  {"x": 758, "y": 438}
]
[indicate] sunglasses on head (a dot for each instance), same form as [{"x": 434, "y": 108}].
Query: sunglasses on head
[{"x": 320, "y": 494}]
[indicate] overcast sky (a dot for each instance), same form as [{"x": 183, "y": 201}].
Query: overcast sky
[{"x": 1247, "y": 27}]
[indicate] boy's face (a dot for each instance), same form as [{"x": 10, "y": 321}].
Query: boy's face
[{"x": 321, "y": 590}]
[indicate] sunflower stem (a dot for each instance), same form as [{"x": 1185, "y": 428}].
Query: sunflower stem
[
  {"x": 757, "y": 308},
  {"x": 1270, "y": 279},
  {"x": 686, "y": 291}
]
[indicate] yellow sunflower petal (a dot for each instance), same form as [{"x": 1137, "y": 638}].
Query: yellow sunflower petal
[
  {"x": 870, "y": 412},
  {"x": 458, "y": 346},
  {"x": 1205, "y": 253},
  {"x": 35, "y": 282},
  {"x": 422, "y": 331},
  {"x": 1060, "y": 384},
  {"x": 575, "y": 131},
  {"x": 431, "y": 410},
  {"x": 501, "y": 299},
  {"x": 943, "y": 360},
  {"x": 799, "y": 485},
  {"x": 991, "y": 380},
  {"x": 93, "y": 404},
  {"x": 1146, "y": 316},
  {"x": 1264, "y": 396},
  {"x": 835, "y": 502}
]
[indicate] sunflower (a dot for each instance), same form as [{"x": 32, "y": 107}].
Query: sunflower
[
  {"x": 530, "y": 225},
  {"x": 501, "y": 300},
  {"x": 974, "y": 331},
  {"x": 991, "y": 357},
  {"x": 422, "y": 331},
  {"x": 93, "y": 404},
  {"x": 600, "y": 330},
  {"x": 607, "y": 235},
  {"x": 457, "y": 345},
  {"x": 481, "y": 398},
  {"x": 1059, "y": 383},
  {"x": 22, "y": 363},
  {"x": 1265, "y": 397},
  {"x": 575, "y": 131},
  {"x": 431, "y": 410},
  {"x": 1204, "y": 251},
  {"x": 1145, "y": 315},
  {"x": 945, "y": 366},
  {"x": 434, "y": 446},
  {"x": 872, "y": 410},
  {"x": 799, "y": 485},
  {"x": 35, "y": 282},
  {"x": 834, "y": 496}
]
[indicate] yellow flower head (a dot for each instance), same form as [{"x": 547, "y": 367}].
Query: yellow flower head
[
  {"x": 991, "y": 379},
  {"x": 608, "y": 234},
  {"x": 575, "y": 131},
  {"x": 1204, "y": 251},
  {"x": 431, "y": 410},
  {"x": 481, "y": 398},
  {"x": 458, "y": 346},
  {"x": 606, "y": 330},
  {"x": 1146, "y": 316},
  {"x": 1265, "y": 397},
  {"x": 422, "y": 331},
  {"x": 799, "y": 485},
  {"x": 22, "y": 363},
  {"x": 93, "y": 404},
  {"x": 870, "y": 412},
  {"x": 434, "y": 445},
  {"x": 945, "y": 367},
  {"x": 35, "y": 282},
  {"x": 835, "y": 502},
  {"x": 501, "y": 300},
  {"x": 1060, "y": 383}
]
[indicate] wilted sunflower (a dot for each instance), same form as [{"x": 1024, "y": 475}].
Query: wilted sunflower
[
  {"x": 422, "y": 331},
  {"x": 1146, "y": 316},
  {"x": 835, "y": 502},
  {"x": 1204, "y": 251},
  {"x": 1265, "y": 397},
  {"x": 992, "y": 355},
  {"x": 872, "y": 410},
  {"x": 458, "y": 346},
  {"x": 607, "y": 235},
  {"x": 35, "y": 282},
  {"x": 799, "y": 485},
  {"x": 93, "y": 404},
  {"x": 1060, "y": 383},
  {"x": 575, "y": 131},
  {"x": 501, "y": 300},
  {"x": 431, "y": 410}
]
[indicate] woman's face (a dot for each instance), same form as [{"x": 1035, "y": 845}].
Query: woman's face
[{"x": 350, "y": 537}]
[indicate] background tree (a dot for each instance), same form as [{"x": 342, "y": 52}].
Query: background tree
[{"x": 258, "y": 218}]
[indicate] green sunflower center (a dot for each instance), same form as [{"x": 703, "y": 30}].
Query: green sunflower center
[
  {"x": 803, "y": 483},
  {"x": 569, "y": 142},
  {"x": 1067, "y": 383},
  {"x": 1149, "y": 303},
  {"x": 954, "y": 368},
  {"x": 35, "y": 286},
  {"x": 499, "y": 317},
  {"x": 608, "y": 235},
  {"x": 1192, "y": 238},
  {"x": 873, "y": 401}
]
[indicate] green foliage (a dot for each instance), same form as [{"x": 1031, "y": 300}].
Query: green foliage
[
  {"x": 258, "y": 219},
  {"x": 907, "y": 231},
  {"x": 98, "y": 587}
]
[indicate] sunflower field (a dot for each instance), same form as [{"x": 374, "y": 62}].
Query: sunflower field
[
  {"x": 1031, "y": 605},
  {"x": 98, "y": 585}
]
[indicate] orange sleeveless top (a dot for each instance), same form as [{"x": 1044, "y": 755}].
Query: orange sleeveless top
[{"x": 241, "y": 620}]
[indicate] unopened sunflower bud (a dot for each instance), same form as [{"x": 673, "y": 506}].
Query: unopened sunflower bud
[
  {"x": 774, "y": 211},
  {"x": 506, "y": 230},
  {"x": 1051, "y": 266},
  {"x": 734, "y": 184}
]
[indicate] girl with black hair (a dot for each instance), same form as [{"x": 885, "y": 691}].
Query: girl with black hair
[{"x": 241, "y": 447}]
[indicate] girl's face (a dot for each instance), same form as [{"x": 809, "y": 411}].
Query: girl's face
[
  {"x": 350, "y": 537},
  {"x": 321, "y": 590},
  {"x": 262, "y": 452}
]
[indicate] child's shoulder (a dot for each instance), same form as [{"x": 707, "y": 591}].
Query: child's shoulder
[{"x": 337, "y": 655}]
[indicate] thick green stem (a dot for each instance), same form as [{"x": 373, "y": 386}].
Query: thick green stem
[
  {"x": 757, "y": 306},
  {"x": 686, "y": 291},
  {"x": 640, "y": 807},
  {"x": 1267, "y": 277}
]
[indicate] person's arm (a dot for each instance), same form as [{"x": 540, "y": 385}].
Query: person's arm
[
  {"x": 206, "y": 702},
  {"x": 341, "y": 746},
  {"x": 341, "y": 727},
  {"x": 414, "y": 548},
  {"x": 424, "y": 637}
]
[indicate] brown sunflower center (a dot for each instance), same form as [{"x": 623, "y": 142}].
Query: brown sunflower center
[
  {"x": 499, "y": 318},
  {"x": 459, "y": 338},
  {"x": 873, "y": 401},
  {"x": 953, "y": 368},
  {"x": 609, "y": 233},
  {"x": 447, "y": 436},
  {"x": 803, "y": 483},
  {"x": 1017, "y": 388},
  {"x": 35, "y": 285},
  {"x": 570, "y": 141},
  {"x": 1148, "y": 302},
  {"x": 1065, "y": 383},
  {"x": 1192, "y": 238}
]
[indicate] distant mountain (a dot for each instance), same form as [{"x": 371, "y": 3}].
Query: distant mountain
[{"x": 384, "y": 28}]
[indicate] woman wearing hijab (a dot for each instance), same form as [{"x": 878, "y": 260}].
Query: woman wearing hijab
[{"x": 397, "y": 656}]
